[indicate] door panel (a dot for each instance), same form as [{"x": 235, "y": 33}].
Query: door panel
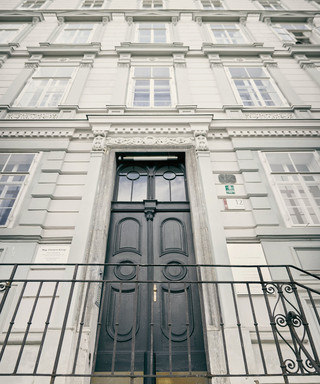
[{"x": 151, "y": 305}]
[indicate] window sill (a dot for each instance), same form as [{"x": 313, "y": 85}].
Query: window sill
[
  {"x": 254, "y": 49},
  {"x": 64, "y": 49}
]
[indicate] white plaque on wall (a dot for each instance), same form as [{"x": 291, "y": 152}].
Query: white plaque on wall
[{"x": 52, "y": 254}]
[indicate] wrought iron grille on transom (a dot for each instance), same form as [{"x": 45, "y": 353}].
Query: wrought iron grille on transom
[{"x": 276, "y": 313}]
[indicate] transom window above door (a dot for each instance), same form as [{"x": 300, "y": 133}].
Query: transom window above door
[{"x": 160, "y": 182}]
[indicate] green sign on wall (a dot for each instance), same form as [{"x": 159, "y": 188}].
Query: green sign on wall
[{"x": 230, "y": 189}]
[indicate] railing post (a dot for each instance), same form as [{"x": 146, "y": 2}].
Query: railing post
[{"x": 273, "y": 324}]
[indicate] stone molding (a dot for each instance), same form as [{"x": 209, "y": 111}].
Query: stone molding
[
  {"x": 23, "y": 133},
  {"x": 269, "y": 116},
  {"x": 273, "y": 133},
  {"x": 31, "y": 116},
  {"x": 149, "y": 140}
]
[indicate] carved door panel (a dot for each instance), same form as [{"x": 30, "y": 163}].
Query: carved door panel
[{"x": 151, "y": 305}]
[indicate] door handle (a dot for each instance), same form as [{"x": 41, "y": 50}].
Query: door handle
[{"x": 154, "y": 292}]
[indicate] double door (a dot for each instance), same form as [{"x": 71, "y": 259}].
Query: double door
[{"x": 151, "y": 319}]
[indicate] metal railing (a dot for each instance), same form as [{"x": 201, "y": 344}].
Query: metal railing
[{"x": 267, "y": 325}]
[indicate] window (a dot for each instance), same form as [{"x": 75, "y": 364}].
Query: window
[
  {"x": 271, "y": 5},
  {"x": 92, "y": 4},
  {"x": 8, "y": 32},
  {"x": 297, "y": 180},
  {"x": 14, "y": 169},
  {"x": 255, "y": 87},
  {"x": 32, "y": 4},
  {"x": 227, "y": 34},
  {"x": 164, "y": 183},
  {"x": 152, "y": 87},
  {"x": 212, "y": 4},
  {"x": 152, "y": 33},
  {"x": 76, "y": 33},
  {"x": 152, "y": 4},
  {"x": 295, "y": 33},
  {"x": 46, "y": 88}
]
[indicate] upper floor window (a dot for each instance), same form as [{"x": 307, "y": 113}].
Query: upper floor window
[
  {"x": 271, "y": 5},
  {"x": 152, "y": 33},
  {"x": 255, "y": 87},
  {"x": 152, "y": 87},
  {"x": 94, "y": 4},
  {"x": 76, "y": 33},
  {"x": 32, "y": 4},
  {"x": 212, "y": 4},
  {"x": 14, "y": 169},
  {"x": 296, "y": 177},
  {"x": 8, "y": 32},
  {"x": 152, "y": 4},
  {"x": 46, "y": 88},
  {"x": 227, "y": 33},
  {"x": 295, "y": 33}
]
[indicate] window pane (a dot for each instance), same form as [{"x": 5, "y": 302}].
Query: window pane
[
  {"x": 4, "y": 213},
  {"x": 162, "y": 72},
  {"x": 139, "y": 191},
  {"x": 247, "y": 93},
  {"x": 238, "y": 72},
  {"x": 279, "y": 162},
  {"x": 124, "y": 189},
  {"x": 19, "y": 163},
  {"x": 144, "y": 36},
  {"x": 142, "y": 93},
  {"x": 162, "y": 93},
  {"x": 305, "y": 162},
  {"x": 178, "y": 192},
  {"x": 3, "y": 159},
  {"x": 142, "y": 72},
  {"x": 160, "y": 36},
  {"x": 162, "y": 189},
  {"x": 256, "y": 72}
]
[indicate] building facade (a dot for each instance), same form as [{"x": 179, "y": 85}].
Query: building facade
[{"x": 160, "y": 191}]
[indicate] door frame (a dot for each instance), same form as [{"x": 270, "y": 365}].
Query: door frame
[{"x": 201, "y": 240}]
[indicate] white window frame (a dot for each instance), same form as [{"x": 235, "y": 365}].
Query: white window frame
[
  {"x": 272, "y": 4},
  {"x": 227, "y": 28},
  {"x": 77, "y": 27},
  {"x": 15, "y": 27},
  {"x": 212, "y": 4},
  {"x": 23, "y": 183},
  {"x": 92, "y": 3},
  {"x": 285, "y": 31},
  {"x": 152, "y": 28},
  {"x": 152, "y": 3},
  {"x": 32, "y": 4},
  {"x": 47, "y": 89},
  {"x": 259, "y": 102},
  {"x": 151, "y": 80},
  {"x": 297, "y": 185}
]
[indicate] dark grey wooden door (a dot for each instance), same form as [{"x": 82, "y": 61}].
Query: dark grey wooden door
[{"x": 151, "y": 319}]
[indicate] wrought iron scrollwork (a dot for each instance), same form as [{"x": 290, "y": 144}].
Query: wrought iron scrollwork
[
  {"x": 4, "y": 285},
  {"x": 288, "y": 315}
]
